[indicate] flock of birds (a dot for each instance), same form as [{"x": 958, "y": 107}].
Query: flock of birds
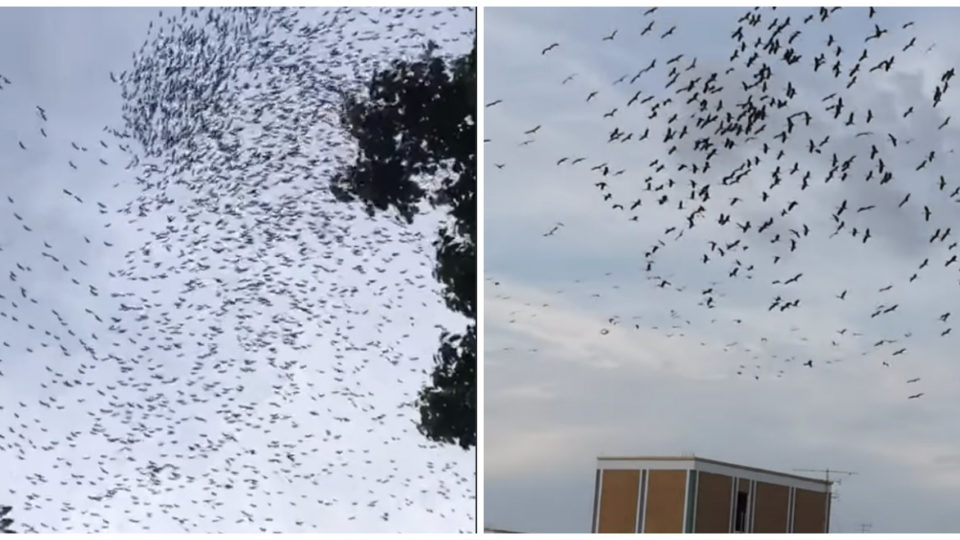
[
  {"x": 759, "y": 160},
  {"x": 227, "y": 348}
]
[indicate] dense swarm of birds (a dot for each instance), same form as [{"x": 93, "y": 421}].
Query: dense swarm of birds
[
  {"x": 220, "y": 350},
  {"x": 795, "y": 142}
]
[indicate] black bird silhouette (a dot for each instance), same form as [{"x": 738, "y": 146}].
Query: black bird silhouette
[{"x": 877, "y": 33}]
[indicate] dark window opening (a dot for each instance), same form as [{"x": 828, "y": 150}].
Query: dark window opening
[{"x": 740, "y": 519}]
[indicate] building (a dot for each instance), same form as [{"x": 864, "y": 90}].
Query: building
[{"x": 691, "y": 494}]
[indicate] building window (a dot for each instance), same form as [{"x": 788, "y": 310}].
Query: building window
[{"x": 740, "y": 516}]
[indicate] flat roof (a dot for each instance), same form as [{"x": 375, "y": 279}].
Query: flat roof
[{"x": 694, "y": 460}]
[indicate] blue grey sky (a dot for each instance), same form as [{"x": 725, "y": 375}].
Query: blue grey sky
[
  {"x": 587, "y": 355},
  {"x": 233, "y": 387}
]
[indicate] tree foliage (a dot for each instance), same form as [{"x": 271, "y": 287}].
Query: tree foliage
[{"x": 416, "y": 124}]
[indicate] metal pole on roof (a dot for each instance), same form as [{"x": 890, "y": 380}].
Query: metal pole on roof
[{"x": 827, "y": 472}]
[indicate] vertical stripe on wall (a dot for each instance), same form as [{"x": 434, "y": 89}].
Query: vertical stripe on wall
[
  {"x": 646, "y": 488},
  {"x": 641, "y": 500},
  {"x": 752, "y": 505},
  {"x": 691, "y": 506},
  {"x": 790, "y": 502},
  {"x": 826, "y": 515},
  {"x": 686, "y": 503},
  {"x": 733, "y": 502},
  {"x": 596, "y": 499},
  {"x": 696, "y": 498}
]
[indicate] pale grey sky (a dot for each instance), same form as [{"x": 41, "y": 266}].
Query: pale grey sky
[{"x": 587, "y": 356}]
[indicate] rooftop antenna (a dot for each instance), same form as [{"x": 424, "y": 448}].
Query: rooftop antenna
[
  {"x": 827, "y": 473},
  {"x": 865, "y": 527}
]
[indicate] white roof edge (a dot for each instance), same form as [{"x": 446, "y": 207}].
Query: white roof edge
[{"x": 715, "y": 467}]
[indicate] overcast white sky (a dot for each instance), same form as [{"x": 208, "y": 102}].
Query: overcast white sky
[
  {"x": 585, "y": 355},
  {"x": 315, "y": 435}
]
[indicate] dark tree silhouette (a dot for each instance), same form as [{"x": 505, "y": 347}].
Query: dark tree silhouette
[
  {"x": 5, "y": 522},
  {"x": 416, "y": 124}
]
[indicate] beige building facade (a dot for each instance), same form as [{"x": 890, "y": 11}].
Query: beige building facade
[{"x": 697, "y": 495}]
